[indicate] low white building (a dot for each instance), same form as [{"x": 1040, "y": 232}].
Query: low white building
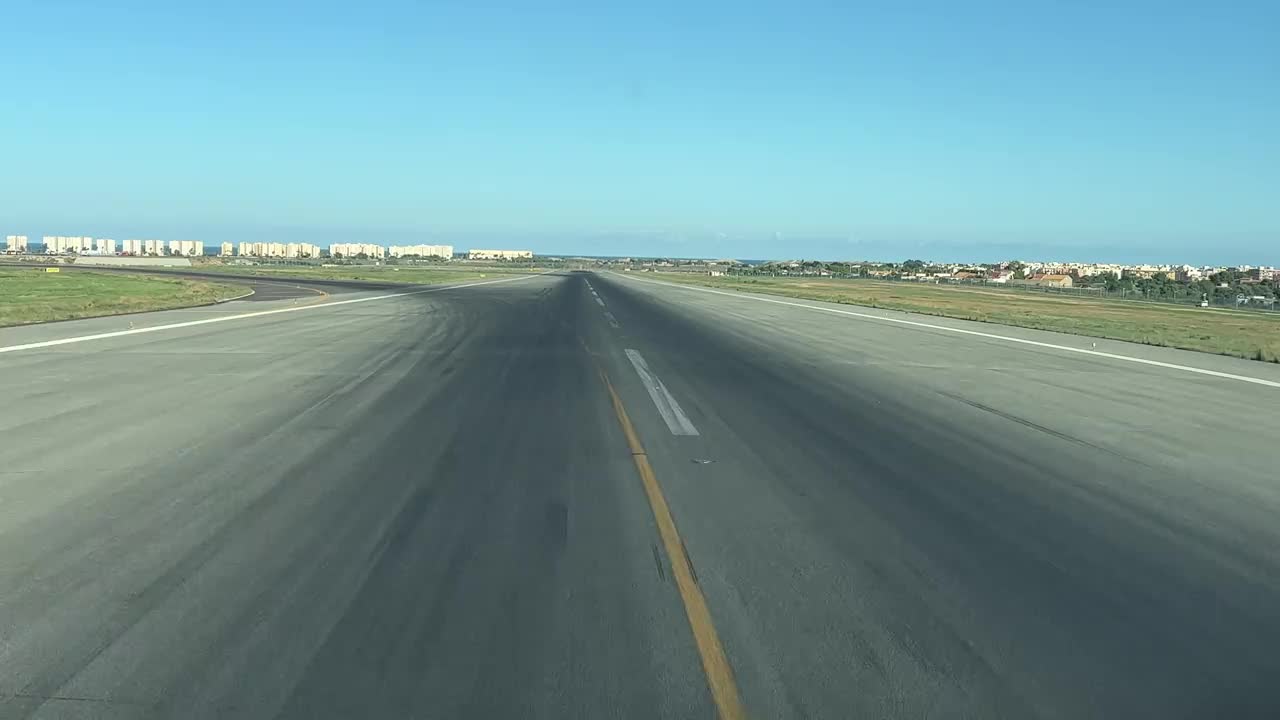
[
  {"x": 57, "y": 244},
  {"x": 186, "y": 248},
  {"x": 301, "y": 250},
  {"x": 441, "y": 251},
  {"x": 350, "y": 250},
  {"x": 500, "y": 254}
]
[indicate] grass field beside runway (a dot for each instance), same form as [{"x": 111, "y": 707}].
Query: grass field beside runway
[
  {"x": 32, "y": 296},
  {"x": 1252, "y": 335}
]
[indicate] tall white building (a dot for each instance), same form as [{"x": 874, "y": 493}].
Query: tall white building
[
  {"x": 226, "y": 250},
  {"x": 15, "y": 243},
  {"x": 348, "y": 250},
  {"x": 153, "y": 247},
  {"x": 105, "y": 246},
  {"x": 443, "y": 251},
  {"x": 131, "y": 247}
]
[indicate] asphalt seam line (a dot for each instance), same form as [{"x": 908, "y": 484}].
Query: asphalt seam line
[
  {"x": 613, "y": 321},
  {"x": 715, "y": 664},
  {"x": 237, "y": 297},
  {"x": 975, "y": 333},
  {"x": 677, "y": 422},
  {"x": 241, "y": 316}
]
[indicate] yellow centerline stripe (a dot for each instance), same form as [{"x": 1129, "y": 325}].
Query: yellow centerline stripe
[{"x": 724, "y": 689}]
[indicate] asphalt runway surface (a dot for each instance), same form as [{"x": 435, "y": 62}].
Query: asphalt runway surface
[{"x": 450, "y": 502}]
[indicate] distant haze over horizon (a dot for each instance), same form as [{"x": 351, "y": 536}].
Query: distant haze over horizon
[{"x": 1117, "y": 132}]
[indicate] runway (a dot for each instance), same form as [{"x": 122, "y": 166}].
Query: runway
[{"x": 449, "y": 502}]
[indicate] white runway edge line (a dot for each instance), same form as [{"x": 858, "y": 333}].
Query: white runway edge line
[
  {"x": 668, "y": 408},
  {"x": 242, "y": 316},
  {"x": 612, "y": 320},
  {"x": 975, "y": 333}
]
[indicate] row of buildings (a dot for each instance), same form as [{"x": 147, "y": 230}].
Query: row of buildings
[
  {"x": 354, "y": 250},
  {"x": 83, "y": 245},
  {"x": 86, "y": 245},
  {"x": 271, "y": 250},
  {"x": 345, "y": 250},
  {"x": 1068, "y": 274},
  {"x": 444, "y": 252},
  {"x": 500, "y": 255},
  {"x": 1181, "y": 273},
  {"x": 59, "y": 245}
]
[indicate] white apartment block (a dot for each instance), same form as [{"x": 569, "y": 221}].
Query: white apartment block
[
  {"x": 301, "y": 250},
  {"x": 443, "y": 251},
  {"x": 131, "y": 247},
  {"x": 227, "y": 250},
  {"x": 15, "y": 243},
  {"x": 188, "y": 248},
  {"x": 279, "y": 250},
  {"x": 56, "y": 244},
  {"x": 348, "y": 250},
  {"x": 105, "y": 246},
  {"x": 153, "y": 247},
  {"x": 500, "y": 254}
]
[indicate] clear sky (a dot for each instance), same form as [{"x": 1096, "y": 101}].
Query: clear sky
[{"x": 1073, "y": 129}]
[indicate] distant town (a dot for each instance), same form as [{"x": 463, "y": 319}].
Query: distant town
[
  {"x": 1255, "y": 285},
  {"x": 1243, "y": 286},
  {"x": 1053, "y": 274}
]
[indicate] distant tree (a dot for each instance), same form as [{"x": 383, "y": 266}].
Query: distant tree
[
  {"x": 913, "y": 265},
  {"x": 1230, "y": 277}
]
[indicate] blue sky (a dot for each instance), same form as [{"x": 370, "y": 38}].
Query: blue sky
[{"x": 984, "y": 130}]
